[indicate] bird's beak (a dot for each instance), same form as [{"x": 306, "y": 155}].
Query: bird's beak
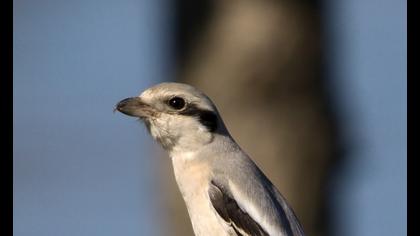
[{"x": 134, "y": 106}]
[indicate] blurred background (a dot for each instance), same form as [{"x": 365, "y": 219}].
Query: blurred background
[{"x": 314, "y": 91}]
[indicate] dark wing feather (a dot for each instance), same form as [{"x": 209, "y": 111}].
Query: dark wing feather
[{"x": 226, "y": 206}]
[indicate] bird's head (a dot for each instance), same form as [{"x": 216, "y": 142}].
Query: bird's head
[{"x": 176, "y": 115}]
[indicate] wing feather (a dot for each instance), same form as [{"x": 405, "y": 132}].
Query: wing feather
[{"x": 226, "y": 206}]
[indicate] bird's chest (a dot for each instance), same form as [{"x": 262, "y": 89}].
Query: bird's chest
[{"x": 193, "y": 181}]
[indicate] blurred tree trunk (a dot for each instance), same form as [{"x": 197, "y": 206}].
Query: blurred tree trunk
[{"x": 260, "y": 62}]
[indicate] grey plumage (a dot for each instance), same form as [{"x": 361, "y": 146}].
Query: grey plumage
[{"x": 224, "y": 190}]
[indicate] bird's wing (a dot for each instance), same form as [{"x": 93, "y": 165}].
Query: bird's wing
[
  {"x": 295, "y": 225},
  {"x": 254, "y": 208},
  {"x": 228, "y": 209}
]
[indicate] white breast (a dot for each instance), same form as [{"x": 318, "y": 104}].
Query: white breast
[{"x": 193, "y": 178}]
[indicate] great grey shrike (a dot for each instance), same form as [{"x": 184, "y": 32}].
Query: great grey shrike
[{"x": 226, "y": 194}]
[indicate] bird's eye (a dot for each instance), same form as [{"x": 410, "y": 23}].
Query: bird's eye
[{"x": 176, "y": 103}]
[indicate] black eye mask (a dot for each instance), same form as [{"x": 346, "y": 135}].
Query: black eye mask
[{"x": 207, "y": 118}]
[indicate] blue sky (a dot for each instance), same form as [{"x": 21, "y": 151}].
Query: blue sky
[
  {"x": 368, "y": 55},
  {"x": 79, "y": 169}
]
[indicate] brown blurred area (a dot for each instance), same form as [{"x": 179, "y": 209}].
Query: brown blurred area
[{"x": 261, "y": 63}]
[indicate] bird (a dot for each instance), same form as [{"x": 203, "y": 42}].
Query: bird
[{"x": 225, "y": 192}]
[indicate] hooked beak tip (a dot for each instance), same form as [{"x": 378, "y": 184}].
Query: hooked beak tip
[{"x": 132, "y": 107}]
